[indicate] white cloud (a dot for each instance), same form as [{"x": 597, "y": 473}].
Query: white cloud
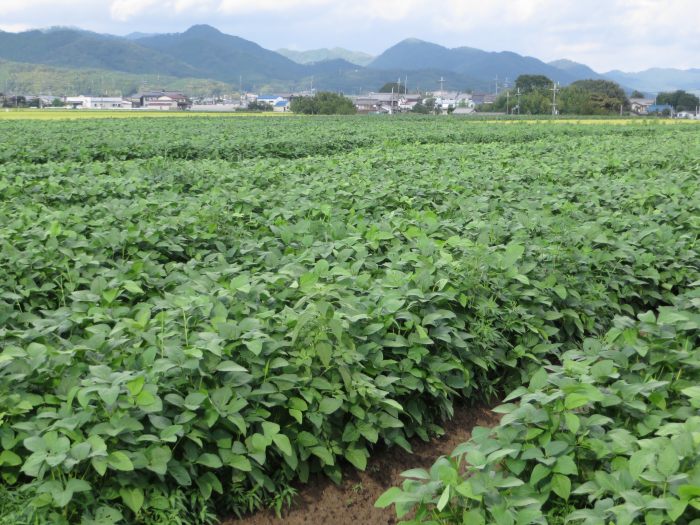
[
  {"x": 235, "y": 7},
  {"x": 183, "y": 6},
  {"x": 28, "y": 7},
  {"x": 123, "y": 10},
  {"x": 14, "y": 28}
]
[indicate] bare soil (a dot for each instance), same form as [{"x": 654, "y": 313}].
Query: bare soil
[{"x": 352, "y": 502}]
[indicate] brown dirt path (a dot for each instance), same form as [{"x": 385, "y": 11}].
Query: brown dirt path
[{"x": 352, "y": 502}]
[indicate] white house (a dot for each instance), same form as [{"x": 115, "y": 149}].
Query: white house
[
  {"x": 162, "y": 103},
  {"x": 83, "y": 102},
  {"x": 641, "y": 105}
]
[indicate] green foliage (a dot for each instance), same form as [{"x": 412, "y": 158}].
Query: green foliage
[
  {"x": 593, "y": 97},
  {"x": 530, "y": 83},
  {"x": 607, "y": 436},
  {"x": 193, "y": 322},
  {"x": 258, "y": 106},
  {"x": 323, "y": 103},
  {"x": 637, "y": 94},
  {"x": 393, "y": 87},
  {"x": 36, "y": 78},
  {"x": 535, "y": 102},
  {"x": 680, "y": 100},
  {"x": 535, "y": 96},
  {"x": 423, "y": 109}
]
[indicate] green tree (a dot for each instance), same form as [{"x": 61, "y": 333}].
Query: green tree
[
  {"x": 323, "y": 103},
  {"x": 535, "y": 102},
  {"x": 420, "y": 108},
  {"x": 57, "y": 103},
  {"x": 576, "y": 101},
  {"x": 637, "y": 94},
  {"x": 680, "y": 100},
  {"x": 593, "y": 97},
  {"x": 258, "y": 106},
  {"x": 529, "y": 83},
  {"x": 394, "y": 87}
]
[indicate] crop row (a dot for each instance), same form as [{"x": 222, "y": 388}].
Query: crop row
[
  {"x": 610, "y": 435},
  {"x": 241, "y": 138},
  {"x": 183, "y": 336}
]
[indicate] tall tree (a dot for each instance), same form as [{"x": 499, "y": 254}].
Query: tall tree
[
  {"x": 680, "y": 100},
  {"x": 593, "y": 97},
  {"x": 394, "y": 87},
  {"x": 535, "y": 102},
  {"x": 529, "y": 83}
]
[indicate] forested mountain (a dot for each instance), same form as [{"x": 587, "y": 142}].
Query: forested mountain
[{"x": 203, "y": 52}]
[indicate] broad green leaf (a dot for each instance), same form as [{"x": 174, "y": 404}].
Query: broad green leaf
[
  {"x": 668, "y": 462},
  {"x": 357, "y": 457},
  {"x": 283, "y": 444},
  {"x": 561, "y": 485},
  {"x": 210, "y": 460},
  {"x": 120, "y": 461},
  {"x": 444, "y": 499},
  {"x": 240, "y": 462},
  {"x": 539, "y": 473},
  {"x": 132, "y": 497},
  {"x": 329, "y": 405},
  {"x": 389, "y": 497},
  {"x": 511, "y": 255}
]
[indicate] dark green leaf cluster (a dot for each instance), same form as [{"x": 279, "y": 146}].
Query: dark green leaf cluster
[
  {"x": 323, "y": 103},
  {"x": 680, "y": 100}
]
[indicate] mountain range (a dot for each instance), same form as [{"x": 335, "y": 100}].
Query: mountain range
[
  {"x": 203, "y": 52},
  {"x": 320, "y": 55}
]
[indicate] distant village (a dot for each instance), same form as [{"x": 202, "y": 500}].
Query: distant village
[{"x": 441, "y": 102}]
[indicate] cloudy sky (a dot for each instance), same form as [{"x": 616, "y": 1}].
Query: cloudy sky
[{"x": 606, "y": 34}]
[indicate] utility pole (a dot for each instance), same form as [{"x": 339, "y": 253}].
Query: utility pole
[
  {"x": 554, "y": 90},
  {"x": 496, "y": 85},
  {"x": 507, "y": 102},
  {"x": 519, "y": 94},
  {"x": 442, "y": 85}
]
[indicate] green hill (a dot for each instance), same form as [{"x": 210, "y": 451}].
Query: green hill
[
  {"x": 415, "y": 55},
  {"x": 203, "y": 52},
  {"x": 38, "y": 78},
  {"x": 78, "y": 49}
]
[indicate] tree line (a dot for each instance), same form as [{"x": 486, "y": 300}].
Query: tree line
[{"x": 583, "y": 97}]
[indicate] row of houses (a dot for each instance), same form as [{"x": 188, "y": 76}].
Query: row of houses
[
  {"x": 401, "y": 103},
  {"x": 648, "y": 106},
  {"x": 151, "y": 100}
]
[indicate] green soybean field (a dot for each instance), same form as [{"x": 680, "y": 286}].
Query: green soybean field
[{"x": 200, "y": 315}]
